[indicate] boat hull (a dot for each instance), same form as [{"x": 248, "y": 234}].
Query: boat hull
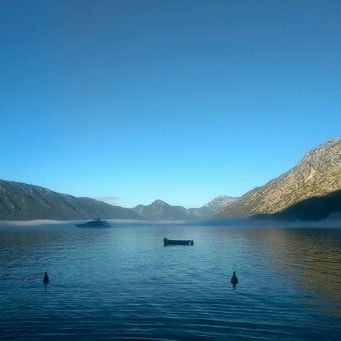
[
  {"x": 93, "y": 226},
  {"x": 167, "y": 242}
]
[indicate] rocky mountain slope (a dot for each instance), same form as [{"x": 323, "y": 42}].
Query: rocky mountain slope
[
  {"x": 318, "y": 174},
  {"x": 20, "y": 201}
]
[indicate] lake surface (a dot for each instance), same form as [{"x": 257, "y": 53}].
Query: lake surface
[{"x": 123, "y": 283}]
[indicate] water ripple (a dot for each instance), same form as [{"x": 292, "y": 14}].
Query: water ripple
[{"x": 123, "y": 284}]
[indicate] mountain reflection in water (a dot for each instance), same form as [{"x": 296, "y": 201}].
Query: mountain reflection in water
[
  {"x": 312, "y": 257},
  {"x": 123, "y": 283}
]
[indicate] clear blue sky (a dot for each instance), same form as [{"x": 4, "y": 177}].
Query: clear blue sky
[{"x": 176, "y": 100}]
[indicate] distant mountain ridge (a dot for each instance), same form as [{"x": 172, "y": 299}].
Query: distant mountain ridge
[
  {"x": 220, "y": 202},
  {"x": 20, "y": 201},
  {"x": 318, "y": 174},
  {"x": 213, "y": 207},
  {"x": 160, "y": 210},
  {"x": 313, "y": 184}
]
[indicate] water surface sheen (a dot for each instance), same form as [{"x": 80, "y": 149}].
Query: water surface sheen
[{"x": 123, "y": 283}]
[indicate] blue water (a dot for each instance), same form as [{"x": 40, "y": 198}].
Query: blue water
[{"x": 123, "y": 283}]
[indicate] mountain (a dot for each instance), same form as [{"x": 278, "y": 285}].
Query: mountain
[
  {"x": 221, "y": 202},
  {"x": 318, "y": 174},
  {"x": 212, "y": 208},
  {"x": 20, "y": 201},
  {"x": 160, "y": 210},
  {"x": 315, "y": 208}
]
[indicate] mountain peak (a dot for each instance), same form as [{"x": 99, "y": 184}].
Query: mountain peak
[
  {"x": 328, "y": 151},
  {"x": 220, "y": 202},
  {"x": 159, "y": 202},
  {"x": 160, "y": 210}
]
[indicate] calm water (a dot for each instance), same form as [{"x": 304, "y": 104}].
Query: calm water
[{"x": 122, "y": 283}]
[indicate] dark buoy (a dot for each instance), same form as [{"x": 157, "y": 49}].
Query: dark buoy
[
  {"x": 234, "y": 279},
  {"x": 46, "y": 278}
]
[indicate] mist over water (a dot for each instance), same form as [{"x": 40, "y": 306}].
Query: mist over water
[{"x": 122, "y": 282}]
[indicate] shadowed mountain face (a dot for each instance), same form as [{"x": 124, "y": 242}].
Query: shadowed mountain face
[
  {"x": 318, "y": 174},
  {"x": 315, "y": 208},
  {"x": 19, "y": 201},
  {"x": 160, "y": 210}
]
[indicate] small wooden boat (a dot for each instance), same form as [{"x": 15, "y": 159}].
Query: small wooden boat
[{"x": 177, "y": 242}]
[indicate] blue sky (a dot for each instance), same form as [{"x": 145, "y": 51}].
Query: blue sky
[{"x": 176, "y": 100}]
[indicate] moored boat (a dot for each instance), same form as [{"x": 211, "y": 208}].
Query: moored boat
[
  {"x": 94, "y": 223},
  {"x": 167, "y": 241}
]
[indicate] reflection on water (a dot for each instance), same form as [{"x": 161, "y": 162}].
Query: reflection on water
[
  {"x": 123, "y": 283},
  {"x": 314, "y": 259}
]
